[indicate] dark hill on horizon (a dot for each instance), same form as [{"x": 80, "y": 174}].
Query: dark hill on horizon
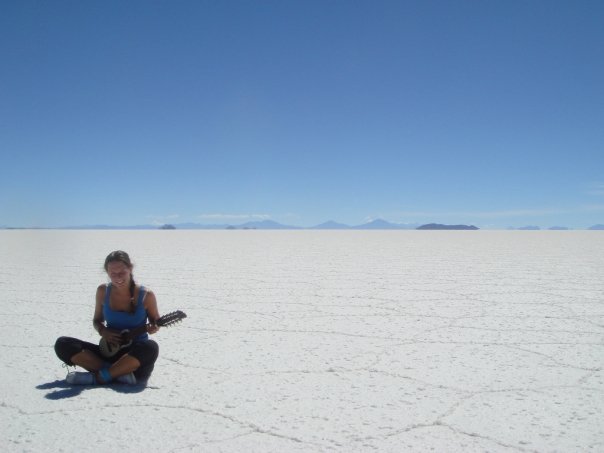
[{"x": 438, "y": 226}]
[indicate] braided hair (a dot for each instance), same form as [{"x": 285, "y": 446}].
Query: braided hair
[{"x": 122, "y": 257}]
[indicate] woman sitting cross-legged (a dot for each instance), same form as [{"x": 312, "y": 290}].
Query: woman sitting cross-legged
[{"x": 120, "y": 305}]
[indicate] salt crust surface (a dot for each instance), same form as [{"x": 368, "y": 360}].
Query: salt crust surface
[{"x": 304, "y": 341}]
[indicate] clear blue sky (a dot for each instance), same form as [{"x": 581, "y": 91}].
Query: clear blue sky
[{"x": 135, "y": 112}]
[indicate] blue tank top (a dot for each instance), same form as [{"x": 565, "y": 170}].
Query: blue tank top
[{"x": 121, "y": 320}]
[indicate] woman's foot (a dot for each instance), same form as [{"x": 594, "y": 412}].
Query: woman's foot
[{"x": 80, "y": 378}]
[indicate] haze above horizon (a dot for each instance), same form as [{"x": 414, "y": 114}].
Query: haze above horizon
[{"x": 129, "y": 113}]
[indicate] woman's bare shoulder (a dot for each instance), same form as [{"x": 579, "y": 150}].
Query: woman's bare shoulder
[
  {"x": 101, "y": 288},
  {"x": 100, "y": 291}
]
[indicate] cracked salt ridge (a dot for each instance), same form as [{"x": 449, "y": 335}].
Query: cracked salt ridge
[{"x": 250, "y": 370}]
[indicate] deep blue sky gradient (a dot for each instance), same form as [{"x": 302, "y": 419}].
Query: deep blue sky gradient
[{"x": 135, "y": 112}]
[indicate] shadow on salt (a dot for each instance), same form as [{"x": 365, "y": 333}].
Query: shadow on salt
[{"x": 62, "y": 390}]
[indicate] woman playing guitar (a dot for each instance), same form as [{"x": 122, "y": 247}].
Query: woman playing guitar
[{"x": 120, "y": 305}]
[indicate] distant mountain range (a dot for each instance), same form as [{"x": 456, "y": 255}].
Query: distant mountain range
[
  {"x": 378, "y": 224},
  {"x": 330, "y": 225}
]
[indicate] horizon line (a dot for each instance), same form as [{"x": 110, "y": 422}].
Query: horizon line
[{"x": 375, "y": 224}]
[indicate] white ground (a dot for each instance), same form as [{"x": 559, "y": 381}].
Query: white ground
[{"x": 316, "y": 341}]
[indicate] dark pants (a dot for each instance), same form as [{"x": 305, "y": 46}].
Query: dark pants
[{"x": 145, "y": 352}]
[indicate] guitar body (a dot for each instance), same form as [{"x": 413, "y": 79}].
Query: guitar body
[{"x": 109, "y": 350}]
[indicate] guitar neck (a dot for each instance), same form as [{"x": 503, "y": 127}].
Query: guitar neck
[{"x": 166, "y": 320}]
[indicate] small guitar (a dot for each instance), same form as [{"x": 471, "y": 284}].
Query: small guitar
[{"x": 108, "y": 350}]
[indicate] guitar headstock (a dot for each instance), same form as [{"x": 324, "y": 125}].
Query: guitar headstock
[{"x": 171, "y": 318}]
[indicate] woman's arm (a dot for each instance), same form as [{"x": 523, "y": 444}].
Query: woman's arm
[
  {"x": 150, "y": 304},
  {"x": 98, "y": 321}
]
